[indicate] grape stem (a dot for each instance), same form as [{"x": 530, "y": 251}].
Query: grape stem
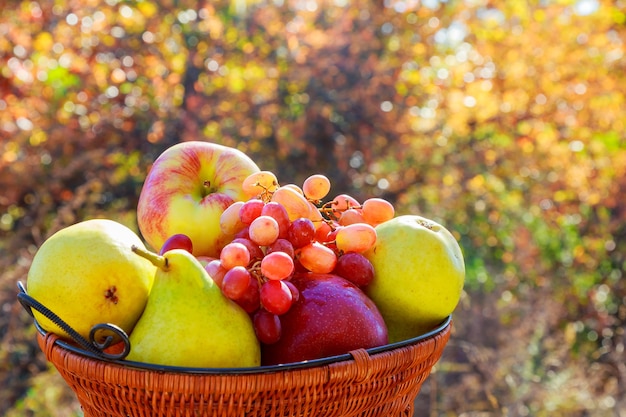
[
  {"x": 327, "y": 210},
  {"x": 266, "y": 195},
  {"x": 255, "y": 271}
]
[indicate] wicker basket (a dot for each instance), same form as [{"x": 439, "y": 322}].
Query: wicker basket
[{"x": 378, "y": 382}]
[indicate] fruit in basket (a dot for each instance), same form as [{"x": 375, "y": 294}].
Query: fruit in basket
[
  {"x": 188, "y": 187},
  {"x": 87, "y": 274},
  {"x": 331, "y": 317},
  {"x": 419, "y": 274},
  {"x": 188, "y": 321},
  {"x": 177, "y": 241}
]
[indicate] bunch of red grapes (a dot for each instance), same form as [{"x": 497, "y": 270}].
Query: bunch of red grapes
[{"x": 282, "y": 230}]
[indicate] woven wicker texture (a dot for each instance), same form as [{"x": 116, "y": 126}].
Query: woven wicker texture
[{"x": 382, "y": 384}]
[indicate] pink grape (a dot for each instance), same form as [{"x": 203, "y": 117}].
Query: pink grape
[
  {"x": 351, "y": 216},
  {"x": 234, "y": 254},
  {"x": 230, "y": 221},
  {"x": 278, "y": 213},
  {"x": 267, "y": 326},
  {"x": 357, "y": 237},
  {"x": 263, "y": 230},
  {"x": 377, "y": 210},
  {"x": 250, "y": 210},
  {"x": 342, "y": 203},
  {"x": 316, "y": 187},
  {"x": 281, "y": 245},
  {"x": 258, "y": 183},
  {"x": 295, "y": 203},
  {"x": 177, "y": 241},
  {"x": 276, "y": 297},
  {"x": 216, "y": 271},
  {"x": 317, "y": 258},
  {"x": 277, "y": 266},
  {"x": 356, "y": 268},
  {"x": 301, "y": 232},
  {"x": 235, "y": 282}
]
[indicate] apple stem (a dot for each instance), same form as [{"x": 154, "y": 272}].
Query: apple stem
[{"x": 157, "y": 260}]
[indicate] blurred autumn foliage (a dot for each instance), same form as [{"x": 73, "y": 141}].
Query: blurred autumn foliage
[{"x": 504, "y": 120}]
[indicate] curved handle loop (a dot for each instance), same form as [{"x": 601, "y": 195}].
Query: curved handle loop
[
  {"x": 106, "y": 332},
  {"x": 362, "y": 359}
]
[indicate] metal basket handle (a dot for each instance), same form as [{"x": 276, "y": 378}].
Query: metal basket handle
[{"x": 92, "y": 345}]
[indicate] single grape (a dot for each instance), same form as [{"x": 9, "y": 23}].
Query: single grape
[
  {"x": 256, "y": 253},
  {"x": 316, "y": 187},
  {"x": 281, "y": 245},
  {"x": 267, "y": 326},
  {"x": 351, "y": 216},
  {"x": 234, "y": 254},
  {"x": 216, "y": 271},
  {"x": 357, "y": 237},
  {"x": 277, "y": 266},
  {"x": 356, "y": 268},
  {"x": 301, "y": 232},
  {"x": 177, "y": 241},
  {"x": 377, "y": 210},
  {"x": 276, "y": 297},
  {"x": 250, "y": 210},
  {"x": 342, "y": 203},
  {"x": 279, "y": 213},
  {"x": 235, "y": 282},
  {"x": 317, "y": 258},
  {"x": 230, "y": 222},
  {"x": 259, "y": 183},
  {"x": 295, "y": 203},
  {"x": 263, "y": 230}
]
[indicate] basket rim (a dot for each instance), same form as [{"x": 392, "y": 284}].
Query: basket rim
[{"x": 248, "y": 370}]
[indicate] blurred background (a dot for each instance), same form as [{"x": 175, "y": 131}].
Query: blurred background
[{"x": 503, "y": 120}]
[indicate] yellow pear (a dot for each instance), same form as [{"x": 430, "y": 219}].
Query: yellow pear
[
  {"x": 189, "y": 322},
  {"x": 87, "y": 274},
  {"x": 419, "y": 274}
]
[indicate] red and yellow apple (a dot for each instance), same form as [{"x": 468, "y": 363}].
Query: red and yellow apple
[{"x": 188, "y": 187}]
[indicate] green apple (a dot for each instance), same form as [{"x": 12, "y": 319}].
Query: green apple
[
  {"x": 419, "y": 274},
  {"x": 87, "y": 274},
  {"x": 186, "y": 191}
]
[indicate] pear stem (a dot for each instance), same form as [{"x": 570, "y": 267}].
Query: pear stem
[{"x": 157, "y": 260}]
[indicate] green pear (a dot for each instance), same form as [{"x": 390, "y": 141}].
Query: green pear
[
  {"x": 188, "y": 322},
  {"x": 419, "y": 274},
  {"x": 87, "y": 274}
]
